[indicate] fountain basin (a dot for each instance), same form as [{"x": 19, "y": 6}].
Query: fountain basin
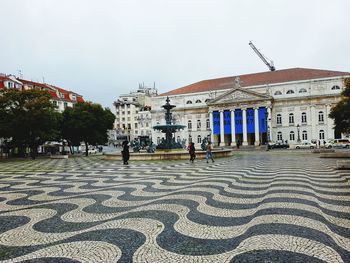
[{"x": 167, "y": 155}]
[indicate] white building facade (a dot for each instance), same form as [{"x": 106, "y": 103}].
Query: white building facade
[
  {"x": 286, "y": 105},
  {"x": 133, "y": 116}
]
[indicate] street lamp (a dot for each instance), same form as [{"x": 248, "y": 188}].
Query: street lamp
[{"x": 298, "y": 128}]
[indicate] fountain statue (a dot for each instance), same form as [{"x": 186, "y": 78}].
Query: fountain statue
[{"x": 169, "y": 128}]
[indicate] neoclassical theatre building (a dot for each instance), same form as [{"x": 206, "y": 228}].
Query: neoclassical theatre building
[{"x": 290, "y": 105}]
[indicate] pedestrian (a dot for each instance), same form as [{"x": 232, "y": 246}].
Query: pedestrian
[
  {"x": 208, "y": 153},
  {"x": 125, "y": 152},
  {"x": 237, "y": 144},
  {"x": 192, "y": 152}
]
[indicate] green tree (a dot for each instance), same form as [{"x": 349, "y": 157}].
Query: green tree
[
  {"x": 86, "y": 122},
  {"x": 341, "y": 112},
  {"x": 28, "y": 118}
]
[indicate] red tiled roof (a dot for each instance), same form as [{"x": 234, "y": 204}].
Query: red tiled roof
[
  {"x": 2, "y": 80},
  {"x": 49, "y": 88},
  {"x": 262, "y": 78},
  {"x": 52, "y": 90}
]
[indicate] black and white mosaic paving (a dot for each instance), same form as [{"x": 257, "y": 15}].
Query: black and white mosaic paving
[{"x": 252, "y": 207}]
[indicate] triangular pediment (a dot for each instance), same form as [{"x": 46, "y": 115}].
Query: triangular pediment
[{"x": 239, "y": 95}]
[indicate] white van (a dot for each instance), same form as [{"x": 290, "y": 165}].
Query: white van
[{"x": 338, "y": 143}]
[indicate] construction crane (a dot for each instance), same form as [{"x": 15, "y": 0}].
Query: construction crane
[{"x": 262, "y": 57}]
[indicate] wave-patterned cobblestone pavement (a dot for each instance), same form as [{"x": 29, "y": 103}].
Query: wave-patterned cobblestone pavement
[{"x": 254, "y": 207}]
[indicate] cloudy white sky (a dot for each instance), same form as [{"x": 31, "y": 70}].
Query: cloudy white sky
[{"x": 103, "y": 48}]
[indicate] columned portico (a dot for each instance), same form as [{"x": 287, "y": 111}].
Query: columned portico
[{"x": 239, "y": 117}]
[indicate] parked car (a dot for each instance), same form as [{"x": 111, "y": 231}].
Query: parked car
[
  {"x": 338, "y": 143},
  {"x": 92, "y": 151},
  {"x": 278, "y": 145},
  {"x": 305, "y": 145}
]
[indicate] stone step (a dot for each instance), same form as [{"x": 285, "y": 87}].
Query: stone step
[
  {"x": 343, "y": 165},
  {"x": 335, "y": 155},
  {"x": 323, "y": 151}
]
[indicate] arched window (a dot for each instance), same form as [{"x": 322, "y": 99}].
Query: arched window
[
  {"x": 189, "y": 138},
  {"x": 278, "y": 92},
  {"x": 321, "y": 134},
  {"x": 178, "y": 139},
  {"x": 208, "y": 124},
  {"x": 199, "y": 139},
  {"x": 189, "y": 125},
  {"x": 199, "y": 124},
  {"x": 302, "y": 90},
  {"x": 207, "y": 100},
  {"x": 291, "y": 118},
  {"x": 290, "y": 91},
  {"x": 304, "y": 135},
  {"x": 303, "y": 117},
  {"x": 320, "y": 116},
  {"x": 189, "y": 102},
  {"x": 335, "y": 87},
  {"x": 198, "y": 101},
  {"x": 279, "y": 119},
  {"x": 292, "y": 136},
  {"x": 279, "y": 136}
]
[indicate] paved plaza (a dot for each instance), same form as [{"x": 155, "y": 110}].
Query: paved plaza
[{"x": 278, "y": 206}]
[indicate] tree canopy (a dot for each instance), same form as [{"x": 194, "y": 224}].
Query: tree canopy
[
  {"x": 28, "y": 118},
  {"x": 87, "y": 122},
  {"x": 341, "y": 112}
]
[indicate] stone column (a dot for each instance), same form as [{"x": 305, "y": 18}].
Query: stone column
[
  {"x": 244, "y": 118},
  {"x": 222, "y": 131},
  {"x": 256, "y": 126},
  {"x": 211, "y": 127},
  {"x": 233, "y": 128},
  {"x": 314, "y": 120},
  {"x": 269, "y": 123},
  {"x": 329, "y": 124}
]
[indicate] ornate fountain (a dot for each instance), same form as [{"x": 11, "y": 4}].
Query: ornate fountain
[{"x": 169, "y": 128}]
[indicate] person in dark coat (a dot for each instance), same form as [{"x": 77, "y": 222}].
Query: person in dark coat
[
  {"x": 125, "y": 152},
  {"x": 192, "y": 152}
]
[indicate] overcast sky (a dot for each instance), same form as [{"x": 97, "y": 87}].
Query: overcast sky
[{"x": 102, "y": 48}]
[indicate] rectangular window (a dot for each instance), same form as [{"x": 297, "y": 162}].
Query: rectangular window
[{"x": 135, "y": 125}]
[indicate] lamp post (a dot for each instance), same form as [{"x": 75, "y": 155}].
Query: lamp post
[{"x": 298, "y": 128}]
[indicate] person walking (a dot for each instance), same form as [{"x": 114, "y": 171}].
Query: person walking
[
  {"x": 125, "y": 152},
  {"x": 208, "y": 153},
  {"x": 192, "y": 152}
]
